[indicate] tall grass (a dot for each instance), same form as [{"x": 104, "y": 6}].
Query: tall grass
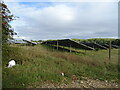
[{"x": 39, "y": 64}]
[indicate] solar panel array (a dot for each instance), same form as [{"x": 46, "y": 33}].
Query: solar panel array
[
  {"x": 68, "y": 43},
  {"x": 29, "y": 43},
  {"x": 80, "y": 45},
  {"x": 95, "y": 45}
]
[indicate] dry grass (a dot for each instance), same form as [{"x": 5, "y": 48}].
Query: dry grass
[
  {"x": 75, "y": 58},
  {"x": 39, "y": 64}
]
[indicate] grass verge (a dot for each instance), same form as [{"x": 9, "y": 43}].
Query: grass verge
[{"x": 39, "y": 64}]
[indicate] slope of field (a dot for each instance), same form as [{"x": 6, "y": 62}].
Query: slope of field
[{"x": 40, "y": 64}]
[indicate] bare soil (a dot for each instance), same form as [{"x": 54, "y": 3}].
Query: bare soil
[{"x": 86, "y": 83}]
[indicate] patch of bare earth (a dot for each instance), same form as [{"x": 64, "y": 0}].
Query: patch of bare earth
[{"x": 86, "y": 83}]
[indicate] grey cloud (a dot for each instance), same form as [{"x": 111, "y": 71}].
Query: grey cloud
[{"x": 87, "y": 20}]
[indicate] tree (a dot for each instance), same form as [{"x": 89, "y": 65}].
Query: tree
[
  {"x": 7, "y": 17},
  {"x": 7, "y": 33}
]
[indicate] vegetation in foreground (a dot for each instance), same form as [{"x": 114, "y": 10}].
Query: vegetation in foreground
[{"x": 39, "y": 64}]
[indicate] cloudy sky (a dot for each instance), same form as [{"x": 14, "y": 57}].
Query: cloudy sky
[{"x": 61, "y": 20}]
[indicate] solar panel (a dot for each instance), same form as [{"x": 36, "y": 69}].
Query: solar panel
[{"x": 68, "y": 43}]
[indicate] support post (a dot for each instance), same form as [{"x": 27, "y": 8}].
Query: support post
[
  {"x": 53, "y": 48},
  {"x": 110, "y": 50},
  {"x": 63, "y": 48},
  {"x": 57, "y": 45},
  {"x": 70, "y": 48}
]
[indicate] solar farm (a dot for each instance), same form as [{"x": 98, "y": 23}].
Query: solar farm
[
  {"x": 68, "y": 44},
  {"x": 61, "y": 61}
]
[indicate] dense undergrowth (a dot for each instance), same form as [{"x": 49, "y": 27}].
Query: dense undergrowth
[{"x": 39, "y": 64}]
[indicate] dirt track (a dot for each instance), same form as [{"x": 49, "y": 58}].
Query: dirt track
[{"x": 86, "y": 83}]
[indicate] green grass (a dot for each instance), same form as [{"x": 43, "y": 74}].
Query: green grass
[{"x": 39, "y": 64}]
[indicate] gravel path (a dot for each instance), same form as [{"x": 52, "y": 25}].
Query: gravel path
[{"x": 86, "y": 83}]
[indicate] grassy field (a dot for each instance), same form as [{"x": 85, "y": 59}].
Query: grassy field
[{"x": 39, "y": 64}]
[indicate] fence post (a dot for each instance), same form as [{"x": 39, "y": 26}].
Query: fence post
[{"x": 110, "y": 50}]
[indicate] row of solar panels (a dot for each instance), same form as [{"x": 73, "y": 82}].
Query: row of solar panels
[
  {"x": 82, "y": 45},
  {"x": 62, "y": 48},
  {"x": 30, "y": 43},
  {"x": 26, "y": 42}
]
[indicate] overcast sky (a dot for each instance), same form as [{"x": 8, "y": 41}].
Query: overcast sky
[{"x": 51, "y": 20}]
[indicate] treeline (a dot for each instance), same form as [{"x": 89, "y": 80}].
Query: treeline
[{"x": 100, "y": 40}]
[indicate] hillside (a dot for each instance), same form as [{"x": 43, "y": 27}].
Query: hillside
[{"x": 41, "y": 65}]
